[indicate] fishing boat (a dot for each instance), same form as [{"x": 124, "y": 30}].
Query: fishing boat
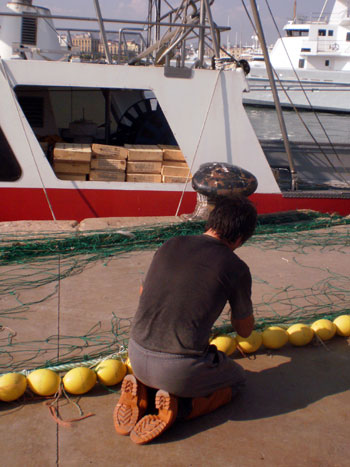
[
  {"x": 311, "y": 63},
  {"x": 72, "y": 130}
]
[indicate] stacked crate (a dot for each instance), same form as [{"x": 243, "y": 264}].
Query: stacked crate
[
  {"x": 144, "y": 163},
  {"x": 72, "y": 161},
  {"x": 174, "y": 168},
  {"x": 108, "y": 163}
]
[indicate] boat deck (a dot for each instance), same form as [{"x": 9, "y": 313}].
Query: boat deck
[
  {"x": 323, "y": 169},
  {"x": 294, "y": 411}
]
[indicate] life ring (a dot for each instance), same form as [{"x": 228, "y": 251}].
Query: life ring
[{"x": 334, "y": 46}]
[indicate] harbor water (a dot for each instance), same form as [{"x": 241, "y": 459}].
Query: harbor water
[{"x": 302, "y": 126}]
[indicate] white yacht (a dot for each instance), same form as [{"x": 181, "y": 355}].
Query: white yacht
[{"x": 311, "y": 64}]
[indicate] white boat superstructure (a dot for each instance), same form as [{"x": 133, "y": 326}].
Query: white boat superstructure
[
  {"x": 311, "y": 64},
  {"x": 55, "y": 111}
]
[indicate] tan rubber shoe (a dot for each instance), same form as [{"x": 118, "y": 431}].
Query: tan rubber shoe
[
  {"x": 151, "y": 426},
  {"x": 131, "y": 405}
]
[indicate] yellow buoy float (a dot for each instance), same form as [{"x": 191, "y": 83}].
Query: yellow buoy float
[
  {"x": 79, "y": 380},
  {"x": 342, "y": 324},
  {"x": 110, "y": 372},
  {"x": 224, "y": 343},
  {"x": 324, "y": 329},
  {"x": 128, "y": 366},
  {"x": 300, "y": 334},
  {"x": 274, "y": 337},
  {"x": 249, "y": 344},
  {"x": 44, "y": 382},
  {"x": 12, "y": 386}
]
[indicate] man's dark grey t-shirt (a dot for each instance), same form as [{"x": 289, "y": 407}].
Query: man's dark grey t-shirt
[{"x": 186, "y": 288}]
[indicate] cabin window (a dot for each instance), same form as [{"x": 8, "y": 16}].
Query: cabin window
[
  {"x": 297, "y": 32},
  {"x": 326, "y": 63},
  {"x": 301, "y": 63},
  {"x": 348, "y": 36},
  {"x": 305, "y": 50},
  {"x": 330, "y": 32},
  {"x": 321, "y": 32},
  {"x": 29, "y": 28},
  {"x": 10, "y": 170}
]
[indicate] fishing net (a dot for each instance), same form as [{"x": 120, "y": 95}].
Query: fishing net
[{"x": 38, "y": 263}]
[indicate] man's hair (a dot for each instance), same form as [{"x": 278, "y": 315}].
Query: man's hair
[{"x": 232, "y": 218}]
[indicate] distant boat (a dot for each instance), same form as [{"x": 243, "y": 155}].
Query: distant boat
[{"x": 311, "y": 64}]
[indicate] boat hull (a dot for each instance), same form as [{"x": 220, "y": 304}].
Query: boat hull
[{"x": 79, "y": 204}]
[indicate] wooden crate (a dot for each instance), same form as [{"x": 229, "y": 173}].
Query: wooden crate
[
  {"x": 175, "y": 164},
  {"x": 71, "y": 167},
  {"x": 141, "y": 152},
  {"x": 108, "y": 164},
  {"x": 107, "y": 176},
  {"x": 173, "y": 179},
  {"x": 144, "y": 167},
  {"x": 146, "y": 178},
  {"x": 71, "y": 176},
  {"x": 172, "y": 153},
  {"x": 105, "y": 151},
  {"x": 69, "y": 152},
  {"x": 175, "y": 171}
]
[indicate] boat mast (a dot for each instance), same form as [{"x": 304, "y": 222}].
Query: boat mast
[
  {"x": 281, "y": 121},
  {"x": 324, "y": 6}
]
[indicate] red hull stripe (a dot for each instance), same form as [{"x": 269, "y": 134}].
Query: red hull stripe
[{"x": 31, "y": 203}]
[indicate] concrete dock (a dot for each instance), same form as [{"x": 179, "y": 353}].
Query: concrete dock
[{"x": 294, "y": 411}]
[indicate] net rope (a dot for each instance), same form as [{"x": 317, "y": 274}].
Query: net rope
[{"x": 29, "y": 262}]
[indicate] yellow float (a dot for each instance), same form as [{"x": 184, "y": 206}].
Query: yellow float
[
  {"x": 342, "y": 324},
  {"x": 324, "y": 329},
  {"x": 224, "y": 343},
  {"x": 128, "y": 366},
  {"x": 44, "y": 382},
  {"x": 300, "y": 334},
  {"x": 249, "y": 344},
  {"x": 79, "y": 380},
  {"x": 274, "y": 337},
  {"x": 110, "y": 372},
  {"x": 12, "y": 386}
]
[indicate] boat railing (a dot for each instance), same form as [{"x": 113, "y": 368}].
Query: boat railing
[
  {"x": 326, "y": 46},
  {"x": 165, "y": 35},
  {"x": 311, "y": 19}
]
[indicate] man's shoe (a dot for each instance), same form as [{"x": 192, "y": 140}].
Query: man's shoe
[
  {"x": 151, "y": 426},
  {"x": 131, "y": 405},
  {"x": 205, "y": 405}
]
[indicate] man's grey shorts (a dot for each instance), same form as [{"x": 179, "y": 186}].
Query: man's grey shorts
[{"x": 185, "y": 375}]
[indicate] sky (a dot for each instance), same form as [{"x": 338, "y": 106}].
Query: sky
[{"x": 225, "y": 12}]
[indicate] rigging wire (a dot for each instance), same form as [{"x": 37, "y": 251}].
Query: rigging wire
[{"x": 293, "y": 105}]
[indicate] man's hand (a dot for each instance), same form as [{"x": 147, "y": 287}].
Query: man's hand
[{"x": 243, "y": 327}]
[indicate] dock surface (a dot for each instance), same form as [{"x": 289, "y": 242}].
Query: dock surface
[{"x": 293, "y": 412}]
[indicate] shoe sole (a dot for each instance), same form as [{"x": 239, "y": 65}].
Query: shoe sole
[
  {"x": 151, "y": 426},
  {"x": 127, "y": 412}
]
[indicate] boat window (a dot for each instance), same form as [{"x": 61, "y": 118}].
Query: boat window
[
  {"x": 321, "y": 32},
  {"x": 297, "y": 32},
  {"x": 326, "y": 63},
  {"x": 104, "y": 135},
  {"x": 348, "y": 36},
  {"x": 301, "y": 63},
  {"x": 10, "y": 170},
  {"x": 330, "y": 32},
  {"x": 305, "y": 50}
]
